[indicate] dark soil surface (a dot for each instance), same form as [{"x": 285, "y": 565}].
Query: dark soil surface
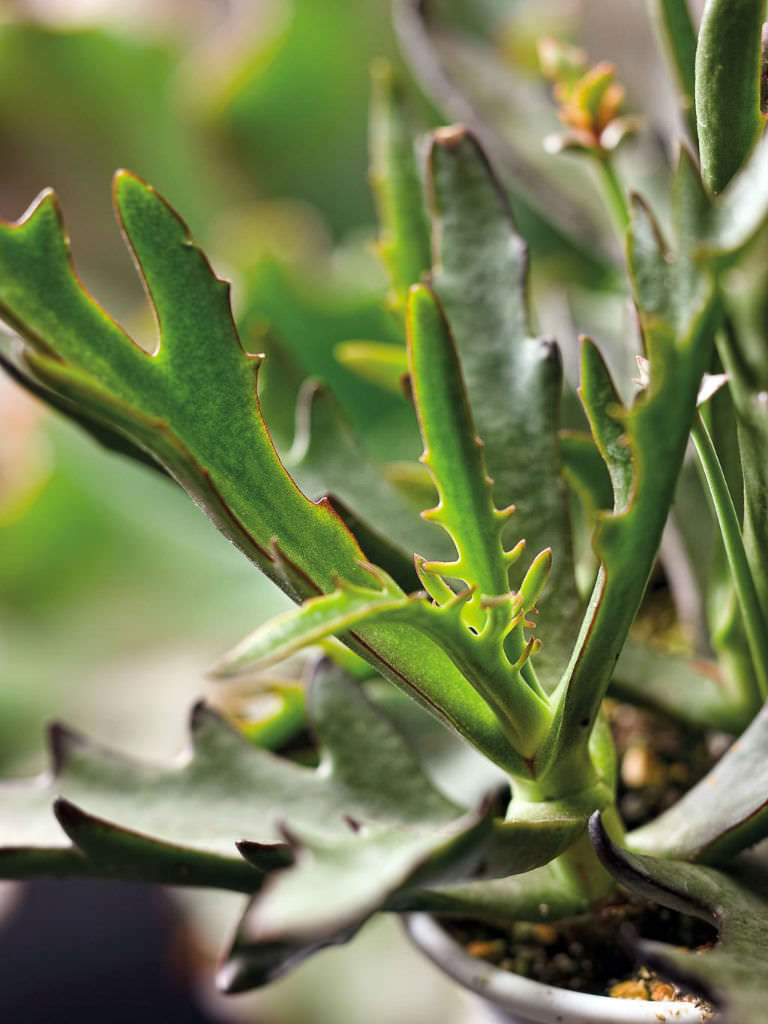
[
  {"x": 588, "y": 953},
  {"x": 659, "y": 760}
]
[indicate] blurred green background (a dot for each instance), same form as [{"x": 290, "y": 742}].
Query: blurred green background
[{"x": 250, "y": 117}]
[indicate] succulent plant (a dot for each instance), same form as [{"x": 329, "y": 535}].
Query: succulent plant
[{"x": 477, "y": 608}]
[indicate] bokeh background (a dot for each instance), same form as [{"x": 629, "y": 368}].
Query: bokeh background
[{"x": 115, "y": 593}]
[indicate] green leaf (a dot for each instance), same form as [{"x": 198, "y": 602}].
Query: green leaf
[
  {"x": 723, "y": 813},
  {"x": 394, "y": 175},
  {"x": 255, "y": 958},
  {"x": 679, "y": 310},
  {"x": 469, "y": 84},
  {"x": 732, "y": 975},
  {"x": 327, "y": 458},
  {"x": 521, "y": 710},
  {"x": 675, "y": 28},
  {"x": 400, "y": 836},
  {"x": 691, "y": 690},
  {"x": 491, "y": 660},
  {"x": 368, "y": 820},
  {"x": 12, "y": 362},
  {"x": 184, "y": 823},
  {"x": 741, "y": 349},
  {"x": 752, "y": 617},
  {"x": 317, "y": 618},
  {"x": 453, "y": 453},
  {"x": 740, "y": 210},
  {"x": 337, "y": 884},
  {"x": 176, "y": 825},
  {"x": 585, "y": 468},
  {"x": 376, "y": 361},
  {"x": 606, "y": 413},
  {"x": 160, "y": 395},
  {"x": 590, "y": 485},
  {"x": 192, "y": 406},
  {"x": 378, "y": 548},
  {"x": 329, "y": 892},
  {"x": 539, "y": 895},
  {"x": 513, "y": 381},
  {"x": 728, "y": 87},
  {"x": 726, "y": 625}
]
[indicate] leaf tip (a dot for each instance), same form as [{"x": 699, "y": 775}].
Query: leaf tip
[
  {"x": 61, "y": 741},
  {"x": 233, "y": 977},
  {"x": 126, "y": 184},
  {"x": 265, "y": 856},
  {"x": 200, "y": 717},
  {"x": 71, "y": 817},
  {"x": 44, "y": 200},
  {"x": 450, "y": 137}
]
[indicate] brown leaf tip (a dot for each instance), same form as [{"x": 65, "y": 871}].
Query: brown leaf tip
[{"x": 450, "y": 136}]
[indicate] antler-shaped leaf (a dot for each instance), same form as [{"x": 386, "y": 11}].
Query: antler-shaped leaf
[
  {"x": 230, "y": 812},
  {"x": 79, "y": 351},
  {"x": 643, "y": 447},
  {"x": 481, "y": 629},
  {"x": 319, "y": 617},
  {"x": 513, "y": 380},
  {"x": 385, "y": 855},
  {"x": 453, "y": 454},
  {"x": 192, "y": 405},
  {"x": 480, "y": 658}
]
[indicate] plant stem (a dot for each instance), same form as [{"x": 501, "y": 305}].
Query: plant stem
[
  {"x": 730, "y": 529},
  {"x": 579, "y": 868},
  {"x": 614, "y": 193}
]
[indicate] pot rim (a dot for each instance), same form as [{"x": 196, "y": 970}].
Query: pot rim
[{"x": 535, "y": 1000}]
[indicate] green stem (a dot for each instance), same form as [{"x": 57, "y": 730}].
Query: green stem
[
  {"x": 579, "y": 868},
  {"x": 730, "y": 529},
  {"x": 614, "y": 193}
]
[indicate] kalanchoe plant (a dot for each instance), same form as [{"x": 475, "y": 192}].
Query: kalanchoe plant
[{"x": 472, "y": 609}]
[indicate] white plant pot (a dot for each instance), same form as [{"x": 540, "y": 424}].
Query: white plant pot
[{"x": 513, "y": 999}]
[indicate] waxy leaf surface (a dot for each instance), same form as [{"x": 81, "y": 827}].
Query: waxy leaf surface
[
  {"x": 679, "y": 310},
  {"x": 192, "y": 405},
  {"x": 513, "y": 380},
  {"x": 724, "y": 813},
  {"x": 732, "y": 975}
]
